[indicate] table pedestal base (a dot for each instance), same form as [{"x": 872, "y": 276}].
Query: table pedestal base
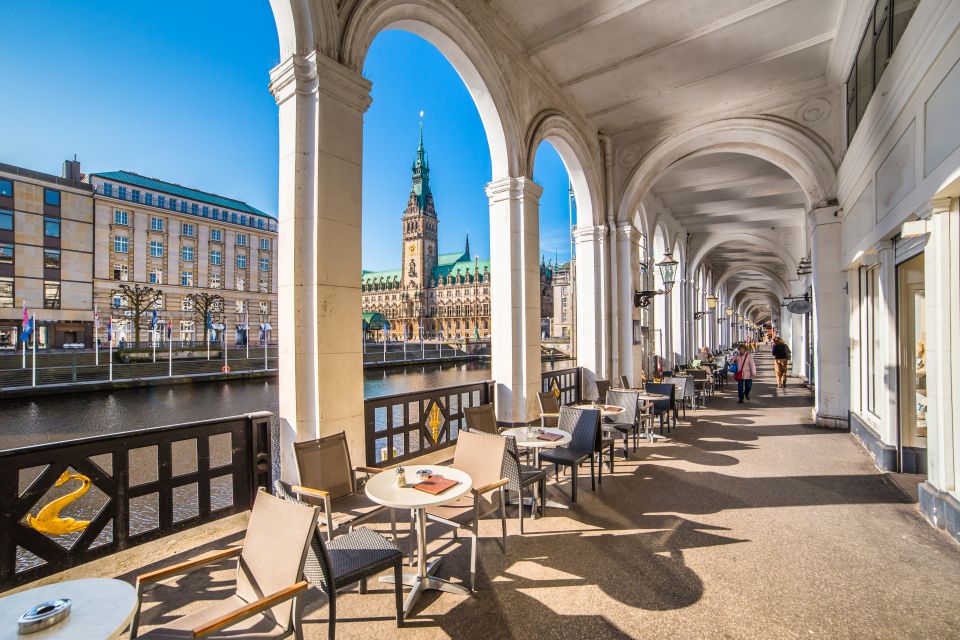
[{"x": 418, "y": 584}]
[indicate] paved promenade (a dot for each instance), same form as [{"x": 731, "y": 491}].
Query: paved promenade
[{"x": 748, "y": 523}]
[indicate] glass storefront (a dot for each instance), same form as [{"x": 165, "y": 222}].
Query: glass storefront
[
  {"x": 8, "y": 336},
  {"x": 912, "y": 346}
]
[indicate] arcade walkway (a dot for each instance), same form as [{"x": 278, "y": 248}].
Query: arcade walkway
[{"x": 748, "y": 523}]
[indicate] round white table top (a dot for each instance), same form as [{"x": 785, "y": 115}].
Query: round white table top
[
  {"x": 605, "y": 409},
  {"x": 101, "y": 609},
  {"x": 382, "y": 487},
  {"x": 526, "y": 437}
]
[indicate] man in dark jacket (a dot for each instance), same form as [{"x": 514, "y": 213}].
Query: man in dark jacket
[{"x": 781, "y": 355}]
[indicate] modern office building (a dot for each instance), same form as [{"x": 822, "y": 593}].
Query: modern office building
[
  {"x": 46, "y": 256},
  {"x": 182, "y": 241}
]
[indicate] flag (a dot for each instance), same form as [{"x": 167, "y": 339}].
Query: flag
[
  {"x": 169, "y": 329},
  {"x": 153, "y": 320},
  {"x": 209, "y": 326},
  {"x": 96, "y": 319},
  {"x": 110, "y": 330},
  {"x": 27, "y": 325}
]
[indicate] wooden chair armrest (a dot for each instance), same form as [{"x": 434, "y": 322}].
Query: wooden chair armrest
[
  {"x": 366, "y": 470},
  {"x": 548, "y": 414},
  {"x": 490, "y": 487},
  {"x": 247, "y": 610},
  {"x": 316, "y": 493},
  {"x": 187, "y": 565}
]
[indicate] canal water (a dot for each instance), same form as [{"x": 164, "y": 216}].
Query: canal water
[{"x": 29, "y": 421}]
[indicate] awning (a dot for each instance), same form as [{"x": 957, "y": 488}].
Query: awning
[{"x": 266, "y": 327}]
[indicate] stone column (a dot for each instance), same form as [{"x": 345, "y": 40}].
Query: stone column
[
  {"x": 321, "y": 106},
  {"x": 942, "y": 304},
  {"x": 515, "y": 297},
  {"x": 830, "y": 317},
  {"x": 626, "y": 257},
  {"x": 887, "y": 357},
  {"x": 591, "y": 303}
]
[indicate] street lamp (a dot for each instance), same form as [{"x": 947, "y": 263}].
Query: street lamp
[
  {"x": 711, "y": 307},
  {"x": 668, "y": 273},
  {"x": 730, "y": 312}
]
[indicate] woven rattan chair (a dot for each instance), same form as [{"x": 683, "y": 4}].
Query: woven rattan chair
[
  {"x": 520, "y": 477},
  {"x": 328, "y": 480},
  {"x": 602, "y": 387},
  {"x": 269, "y": 578},
  {"x": 349, "y": 559},
  {"x": 481, "y": 418},
  {"x": 664, "y": 408},
  {"x": 583, "y": 425},
  {"x": 624, "y": 382},
  {"x": 684, "y": 392},
  {"x": 479, "y": 455},
  {"x": 549, "y": 409},
  {"x": 626, "y": 423}
]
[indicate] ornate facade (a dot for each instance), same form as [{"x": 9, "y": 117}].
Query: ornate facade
[{"x": 436, "y": 296}]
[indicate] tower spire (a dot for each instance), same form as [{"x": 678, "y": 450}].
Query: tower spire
[
  {"x": 466, "y": 250},
  {"x": 421, "y": 172}
]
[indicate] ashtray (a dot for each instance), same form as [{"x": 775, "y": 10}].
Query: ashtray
[
  {"x": 423, "y": 474},
  {"x": 44, "y": 615}
]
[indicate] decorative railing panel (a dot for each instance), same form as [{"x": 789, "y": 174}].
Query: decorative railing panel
[
  {"x": 66, "y": 503},
  {"x": 403, "y": 426},
  {"x": 567, "y": 381}
]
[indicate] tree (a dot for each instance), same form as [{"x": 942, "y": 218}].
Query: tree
[
  {"x": 204, "y": 305},
  {"x": 139, "y": 301}
]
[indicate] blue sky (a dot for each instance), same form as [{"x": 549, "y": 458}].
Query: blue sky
[{"x": 178, "y": 91}]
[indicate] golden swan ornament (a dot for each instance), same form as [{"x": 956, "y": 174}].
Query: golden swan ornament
[{"x": 48, "y": 519}]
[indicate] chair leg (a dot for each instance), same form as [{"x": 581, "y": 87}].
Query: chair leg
[
  {"x": 473, "y": 560},
  {"x": 332, "y": 614},
  {"x": 611, "y": 457},
  {"x": 398, "y": 590},
  {"x": 543, "y": 494},
  {"x": 573, "y": 481},
  {"x": 503, "y": 516},
  {"x": 520, "y": 510},
  {"x": 363, "y": 585}
]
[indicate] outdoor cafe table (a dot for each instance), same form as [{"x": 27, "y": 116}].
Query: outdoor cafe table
[
  {"x": 382, "y": 488},
  {"x": 606, "y": 410},
  {"x": 527, "y": 438},
  {"x": 101, "y": 609}
]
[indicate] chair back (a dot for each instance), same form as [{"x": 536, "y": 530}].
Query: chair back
[
  {"x": 583, "y": 425},
  {"x": 325, "y": 464},
  {"x": 626, "y": 399},
  {"x": 664, "y": 389},
  {"x": 548, "y": 402},
  {"x": 481, "y": 418},
  {"x": 602, "y": 387},
  {"x": 511, "y": 464},
  {"x": 274, "y": 550},
  {"x": 480, "y": 455},
  {"x": 624, "y": 382},
  {"x": 698, "y": 374}
]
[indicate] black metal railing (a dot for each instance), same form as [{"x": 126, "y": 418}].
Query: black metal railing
[
  {"x": 567, "y": 380},
  {"x": 133, "y": 487},
  {"x": 401, "y": 426}
]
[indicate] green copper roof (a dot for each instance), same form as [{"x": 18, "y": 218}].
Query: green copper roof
[
  {"x": 464, "y": 266},
  {"x": 135, "y": 179},
  {"x": 421, "y": 174},
  {"x": 373, "y": 321},
  {"x": 369, "y": 277},
  {"x": 447, "y": 259}
]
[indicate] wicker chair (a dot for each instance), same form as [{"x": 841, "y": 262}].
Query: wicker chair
[
  {"x": 269, "y": 577},
  {"x": 549, "y": 409},
  {"x": 626, "y": 423},
  {"x": 481, "y": 418},
  {"x": 520, "y": 477},
  {"x": 349, "y": 559},
  {"x": 480, "y": 455},
  {"x": 328, "y": 480},
  {"x": 583, "y": 425},
  {"x": 624, "y": 382},
  {"x": 667, "y": 407},
  {"x": 602, "y": 387}
]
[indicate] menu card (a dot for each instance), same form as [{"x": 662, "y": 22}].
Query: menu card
[
  {"x": 549, "y": 437},
  {"x": 435, "y": 485}
]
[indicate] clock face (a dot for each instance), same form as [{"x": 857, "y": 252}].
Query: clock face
[{"x": 411, "y": 248}]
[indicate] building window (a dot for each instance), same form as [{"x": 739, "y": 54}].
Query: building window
[
  {"x": 233, "y": 217},
  {"x": 216, "y": 282},
  {"x": 240, "y": 306},
  {"x": 186, "y": 253},
  {"x": 161, "y": 201},
  {"x": 51, "y": 258},
  {"x": 135, "y": 195},
  {"x": 6, "y": 188},
  {"x": 118, "y": 301},
  {"x": 6, "y": 220},
  {"x": 186, "y": 229},
  {"x": 216, "y": 213},
  {"x": 52, "y": 198},
  {"x": 120, "y": 217},
  {"x": 183, "y": 206},
  {"x": 241, "y": 239},
  {"x": 120, "y": 244},
  {"x": 148, "y": 198},
  {"x": 259, "y": 223},
  {"x": 6, "y": 292},
  {"x": 156, "y": 249},
  {"x": 6, "y": 254},
  {"x": 51, "y": 294},
  {"x": 122, "y": 193},
  {"x": 216, "y": 258},
  {"x": 51, "y": 227},
  {"x": 264, "y": 244},
  {"x": 241, "y": 284},
  {"x": 241, "y": 261},
  {"x": 216, "y": 235},
  {"x": 195, "y": 208},
  {"x": 121, "y": 272},
  {"x": 156, "y": 276},
  {"x": 186, "y": 278},
  {"x": 158, "y": 305},
  {"x": 206, "y": 212},
  {"x": 173, "y": 204},
  {"x": 264, "y": 264},
  {"x": 264, "y": 308},
  {"x": 156, "y": 224},
  {"x": 264, "y": 286},
  {"x": 186, "y": 304}
]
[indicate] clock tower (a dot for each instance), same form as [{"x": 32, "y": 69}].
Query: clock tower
[{"x": 419, "y": 231}]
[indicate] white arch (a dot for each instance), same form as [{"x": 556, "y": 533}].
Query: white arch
[
  {"x": 445, "y": 27},
  {"x": 715, "y": 240},
  {"x": 764, "y": 138},
  {"x": 754, "y": 268}
]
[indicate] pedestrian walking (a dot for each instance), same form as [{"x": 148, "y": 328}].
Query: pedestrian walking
[
  {"x": 746, "y": 370},
  {"x": 781, "y": 356}
]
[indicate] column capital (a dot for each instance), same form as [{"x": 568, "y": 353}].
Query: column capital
[
  {"x": 512, "y": 189},
  {"x": 296, "y": 74},
  {"x": 589, "y": 233},
  {"x": 824, "y": 215},
  {"x": 934, "y": 206},
  {"x": 306, "y": 75}
]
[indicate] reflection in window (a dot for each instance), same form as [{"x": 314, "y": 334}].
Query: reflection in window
[
  {"x": 51, "y": 227},
  {"x": 6, "y": 292},
  {"x": 6, "y": 253},
  {"x": 51, "y": 294},
  {"x": 51, "y": 258}
]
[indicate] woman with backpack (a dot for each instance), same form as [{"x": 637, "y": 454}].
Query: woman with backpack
[{"x": 746, "y": 370}]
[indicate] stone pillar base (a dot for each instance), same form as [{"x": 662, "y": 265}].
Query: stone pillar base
[
  {"x": 830, "y": 422},
  {"x": 940, "y": 508}
]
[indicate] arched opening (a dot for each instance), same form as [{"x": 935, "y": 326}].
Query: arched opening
[
  {"x": 678, "y": 321},
  {"x": 661, "y": 303}
]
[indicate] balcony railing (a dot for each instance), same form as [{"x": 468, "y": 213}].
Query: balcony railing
[
  {"x": 567, "y": 380},
  {"x": 406, "y": 425},
  {"x": 66, "y": 503}
]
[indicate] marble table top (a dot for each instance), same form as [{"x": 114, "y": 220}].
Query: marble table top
[
  {"x": 101, "y": 609},
  {"x": 382, "y": 487}
]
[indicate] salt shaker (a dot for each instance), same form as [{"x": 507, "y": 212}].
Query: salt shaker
[{"x": 401, "y": 477}]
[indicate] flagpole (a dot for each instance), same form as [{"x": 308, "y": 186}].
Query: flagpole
[
  {"x": 246, "y": 333},
  {"x": 96, "y": 334},
  {"x": 153, "y": 335},
  {"x": 266, "y": 355},
  {"x": 110, "y": 345},
  {"x": 34, "y": 336},
  {"x": 208, "y": 336},
  {"x": 169, "y": 349},
  {"x": 226, "y": 357}
]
